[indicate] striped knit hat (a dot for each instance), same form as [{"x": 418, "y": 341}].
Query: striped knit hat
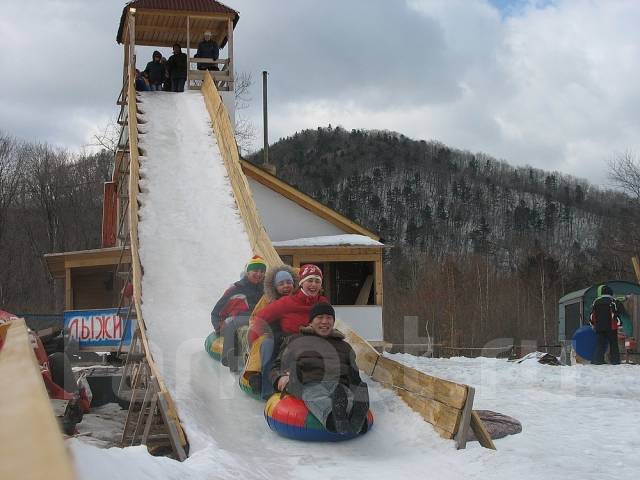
[{"x": 256, "y": 263}]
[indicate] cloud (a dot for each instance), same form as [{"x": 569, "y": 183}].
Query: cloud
[{"x": 546, "y": 83}]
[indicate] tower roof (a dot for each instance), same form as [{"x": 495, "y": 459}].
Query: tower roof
[{"x": 164, "y": 22}]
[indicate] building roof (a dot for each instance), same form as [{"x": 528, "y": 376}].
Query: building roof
[
  {"x": 572, "y": 296},
  {"x": 274, "y": 183},
  {"x": 163, "y": 22},
  {"x": 59, "y": 262}
]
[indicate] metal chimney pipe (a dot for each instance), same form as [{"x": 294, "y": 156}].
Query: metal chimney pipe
[{"x": 265, "y": 118}]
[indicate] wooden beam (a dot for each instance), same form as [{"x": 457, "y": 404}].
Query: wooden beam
[
  {"x": 183, "y": 14},
  {"x": 379, "y": 280},
  {"x": 188, "y": 49},
  {"x": 465, "y": 421},
  {"x": 365, "y": 291},
  {"x": 136, "y": 264},
  {"x": 439, "y": 402},
  {"x": 32, "y": 444},
  {"x": 230, "y": 51},
  {"x": 636, "y": 267},
  {"x": 68, "y": 290},
  {"x": 481, "y": 432}
]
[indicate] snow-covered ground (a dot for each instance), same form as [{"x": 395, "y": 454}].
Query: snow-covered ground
[{"x": 578, "y": 422}]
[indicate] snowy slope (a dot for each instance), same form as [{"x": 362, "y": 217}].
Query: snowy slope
[{"x": 193, "y": 245}]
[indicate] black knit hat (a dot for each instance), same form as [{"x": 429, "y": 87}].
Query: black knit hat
[{"x": 322, "y": 308}]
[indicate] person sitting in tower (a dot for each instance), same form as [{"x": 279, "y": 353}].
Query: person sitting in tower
[
  {"x": 208, "y": 48},
  {"x": 319, "y": 367}
]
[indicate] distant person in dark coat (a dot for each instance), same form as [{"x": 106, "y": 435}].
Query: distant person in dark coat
[
  {"x": 605, "y": 320},
  {"x": 319, "y": 367},
  {"x": 141, "y": 82},
  {"x": 234, "y": 308},
  {"x": 177, "y": 68},
  {"x": 155, "y": 72},
  {"x": 208, "y": 48}
]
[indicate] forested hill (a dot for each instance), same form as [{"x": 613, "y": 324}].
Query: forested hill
[{"x": 447, "y": 205}]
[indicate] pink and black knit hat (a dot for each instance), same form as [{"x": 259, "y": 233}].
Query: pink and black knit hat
[{"x": 309, "y": 271}]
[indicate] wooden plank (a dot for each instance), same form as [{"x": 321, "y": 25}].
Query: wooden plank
[
  {"x": 465, "y": 421},
  {"x": 219, "y": 61},
  {"x": 173, "y": 428},
  {"x": 365, "y": 291},
  {"x": 136, "y": 265},
  {"x": 481, "y": 432},
  {"x": 636, "y": 267},
  {"x": 438, "y": 401},
  {"x": 32, "y": 444},
  {"x": 231, "y": 63},
  {"x": 68, "y": 290},
  {"x": 183, "y": 13},
  {"x": 379, "y": 280}
]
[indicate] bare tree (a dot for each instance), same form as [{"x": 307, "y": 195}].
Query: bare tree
[
  {"x": 10, "y": 170},
  {"x": 245, "y": 129},
  {"x": 107, "y": 138},
  {"x": 625, "y": 173}
]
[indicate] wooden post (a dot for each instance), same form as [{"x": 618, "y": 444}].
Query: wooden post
[
  {"x": 125, "y": 72},
  {"x": 132, "y": 41},
  {"x": 465, "y": 420},
  {"x": 636, "y": 267},
  {"x": 68, "y": 290},
  {"x": 481, "y": 432},
  {"x": 188, "y": 49},
  {"x": 230, "y": 49},
  {"x": 378, "y": 280}
]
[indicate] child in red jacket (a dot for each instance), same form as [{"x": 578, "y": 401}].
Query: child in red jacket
[{"x": 282, "y": 318}]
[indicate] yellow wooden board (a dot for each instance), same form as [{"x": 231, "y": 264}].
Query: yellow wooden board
[{"x": 32, "y": 444}]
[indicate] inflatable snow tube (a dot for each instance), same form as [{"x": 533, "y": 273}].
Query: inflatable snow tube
[
  {"x": 213, "y": 346},
  {"x": 288, "y": 416},
  {"x": 584, "y": 342}
]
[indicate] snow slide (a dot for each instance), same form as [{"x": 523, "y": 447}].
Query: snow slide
[{"x": 192, "y": 246}]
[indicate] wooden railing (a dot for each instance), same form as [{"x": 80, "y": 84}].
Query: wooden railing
[
  {"x": 31, "y": 442},
  {"x": 136, "y": 265}
]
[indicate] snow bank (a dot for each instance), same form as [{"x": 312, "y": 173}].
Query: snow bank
[{"x": 329, "y": 240}]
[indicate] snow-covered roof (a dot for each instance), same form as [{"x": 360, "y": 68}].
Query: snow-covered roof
[{"x": 329, "y": 241}]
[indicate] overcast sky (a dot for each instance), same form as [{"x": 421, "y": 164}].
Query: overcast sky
[{"x": 553, "y": 84}]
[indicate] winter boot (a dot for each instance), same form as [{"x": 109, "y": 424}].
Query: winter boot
[
  {"x": 339, "y": 403},
  {"x": 358, "y": 419},
  {"x": 255, "y": 381}
]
